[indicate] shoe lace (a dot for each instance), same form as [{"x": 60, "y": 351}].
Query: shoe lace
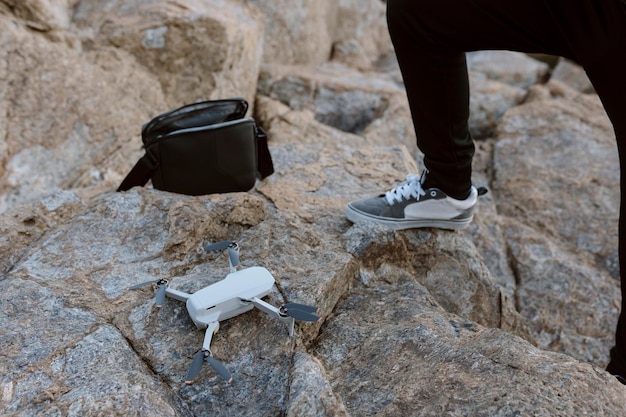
[{"x": 411, "y": 187}]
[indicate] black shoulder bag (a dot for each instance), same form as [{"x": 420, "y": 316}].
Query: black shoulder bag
[{"x": 202, "y": 148}]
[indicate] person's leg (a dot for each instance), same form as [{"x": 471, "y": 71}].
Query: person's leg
[
  {"x": 608, "y": 77},
  {"x": 430, "y": 38}
]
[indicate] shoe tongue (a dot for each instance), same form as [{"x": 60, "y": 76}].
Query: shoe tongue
[{"x": 409, "y": 188}]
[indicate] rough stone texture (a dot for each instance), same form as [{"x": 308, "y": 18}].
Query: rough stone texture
[
  {"x": 362, "y": 24},
  {"x": 309, "y": 33},
  {"x": 339, "y": 97},
  {"x": 378, "y": 356},
  {"x": 511, "y": 68},
  {"x": 557, "y": 153},
  {"x": 43, "y": 15},
  {"x": 195, "y": 49},
  {"x": 61, "y": 118},
  {"x": 512, "y": 316},
  {"x": 573, "y": 75},
  {"x": 297, "y": 32}
]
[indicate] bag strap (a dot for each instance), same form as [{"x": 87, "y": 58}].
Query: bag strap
[
  {"x": 140, "y": 174},
  {"x": 264, "y": 158}
]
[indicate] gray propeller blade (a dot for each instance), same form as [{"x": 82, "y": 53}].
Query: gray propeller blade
[
  {"x": 233, "y": 250},
  {"x": 233, "y": 255},
  {"x": 303, "y": 307},
  {"x": 220, "y": 369},
  {"x": 195, "y": 368},
  {"x": 219, "y": 245},
  {"x": 298, "y": 314},
  {"x": 143, "y": 284},
  {"x": 160, "y": 296}
]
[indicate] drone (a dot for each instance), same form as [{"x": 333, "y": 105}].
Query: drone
[{"x": 240, "y": 291}]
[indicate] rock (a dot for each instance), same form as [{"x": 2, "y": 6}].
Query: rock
[
  {"x": 311, "y": 33},
  {"x": 562, "y": 153},
  {"x": 197, "y": 50},
  {"x": 362, "y": 23},
  {"x": 24, "y": 226},
  {"x": 55, "y": 133},
  {"x": 550, "y": 285},
  {"x": 42, "y": 15},
  {"x": 513, "y": 68},
  {"x": 489, "y": 101},
  {"x": 512, "y": 316},
  {"x": 310, "y": 393},
  {"x": 338, "y": 96},
  {"x": 573, "y": 75},
  {"x": 297, "y": 35},
  {"x": 392, "y": 350}
]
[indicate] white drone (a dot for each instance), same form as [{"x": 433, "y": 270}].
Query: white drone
[{"x": 240, "y": 291}]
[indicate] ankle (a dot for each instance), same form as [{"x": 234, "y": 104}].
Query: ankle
[
  {"x": 452, "y": 194},
  {"x": 457, "y": 193},
  {"x": 461, "y": 196}
]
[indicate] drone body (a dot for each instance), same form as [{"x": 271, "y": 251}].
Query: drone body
[
  {"x": 226, "y": 298},
  {"x": 240, "y": 291}
]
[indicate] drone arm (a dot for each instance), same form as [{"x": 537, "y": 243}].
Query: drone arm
[
  {"x": 273, "y": 311},
  {"x": 176, "y": 295},
  {"x": 265, "y": 307}
]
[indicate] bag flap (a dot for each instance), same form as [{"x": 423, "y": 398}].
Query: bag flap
[
  {"x": 192, "y": 116},
  {"x": 191, "y": 131}
]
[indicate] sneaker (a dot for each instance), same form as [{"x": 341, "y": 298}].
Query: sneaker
[{"x": 410, "y": 206}]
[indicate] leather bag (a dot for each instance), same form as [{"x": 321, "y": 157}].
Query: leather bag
[{"x": 202, "y": 148}]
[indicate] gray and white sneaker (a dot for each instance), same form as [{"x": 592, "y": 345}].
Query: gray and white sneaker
[{"x": 410, "y": 206}]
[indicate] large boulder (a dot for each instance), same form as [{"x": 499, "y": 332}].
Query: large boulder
[
  {"x": 195, "y": 49},
  {"x": 62, "y": 116}
]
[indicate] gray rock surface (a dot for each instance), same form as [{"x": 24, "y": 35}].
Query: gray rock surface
[{"x": 512, "y": 316}]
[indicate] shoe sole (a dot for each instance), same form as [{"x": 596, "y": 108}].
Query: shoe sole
[{"x": 399, "y": 224}]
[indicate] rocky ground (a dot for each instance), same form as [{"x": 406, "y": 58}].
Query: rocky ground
[{"x": 513, "y": 316}]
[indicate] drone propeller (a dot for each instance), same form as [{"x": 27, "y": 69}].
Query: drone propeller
[
  {"x": 233, "y": 250},
  {"x": 219, "y": 245},
  {"x": 196, "y": 366},
  {"x": 220, "y": 368},
  {"x": 300, "y": 312},
  {"x": 160, "y": 295}
]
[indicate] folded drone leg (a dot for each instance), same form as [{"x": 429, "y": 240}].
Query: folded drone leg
[
  {"x": 208, "y": 336},
  {"x": 205, "y": 354}
]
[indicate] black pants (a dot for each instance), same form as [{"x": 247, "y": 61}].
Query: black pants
[{"x": 431, "y": 37}]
